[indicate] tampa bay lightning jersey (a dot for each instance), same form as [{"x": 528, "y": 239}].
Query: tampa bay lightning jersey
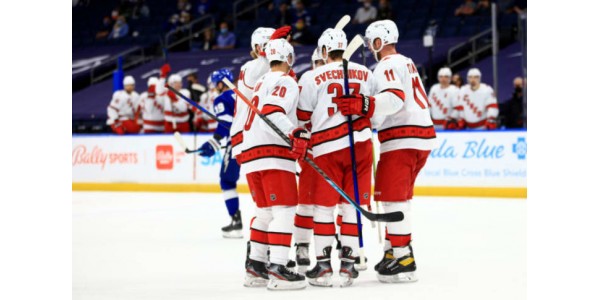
[{"x": 223, "y": 106}]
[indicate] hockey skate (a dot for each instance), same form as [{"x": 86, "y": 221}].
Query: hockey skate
[
  {"x": 234, "y": 230},
  {"x": 302, "y": 259},
  {"x": 347, "y": 270},
  {"x": 398, "y": 270},
  {"x": 282, "y": 278},
  {"x": 320, "y": 275},
  {"x": 388, "y": 256},
  {"x": 256, "y": 274}
]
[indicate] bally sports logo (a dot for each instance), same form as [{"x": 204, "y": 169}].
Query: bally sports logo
[
  {"x": 164, "y": 157},
  {"x": 97, "y": 156}
]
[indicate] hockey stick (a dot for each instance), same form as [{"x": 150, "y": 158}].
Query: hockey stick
[
  {"x": 196, "y": 105},
  {"x": 350, "y": 49},
  {"x": 342, "y": 22},
  {"x": 181, "y": 143},
  {"x": 388, "y": 217},
  {"x": 376, "y": 202}
]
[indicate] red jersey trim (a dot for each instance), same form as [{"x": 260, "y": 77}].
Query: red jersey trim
[
  {"x": 265, "y": 151},
  {"x": 171, "y": 114},
  {"x": 397, "y": 92},
  {"x": 272, "y": 108},
  {"x": 438, "y": 121},
  {"x": 493, "y": 105},
  {"x": 303, "y": 115},
  {"x": 154, "y": 123},
  {"x": 237, "y": 139},
  {"x": 338, "y": 132},
  {"x": 405, "y": 132},
  {"x": 476, "y": 124}
]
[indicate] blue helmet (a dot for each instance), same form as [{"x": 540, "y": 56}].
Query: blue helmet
[{"x": 218, "y": 75}]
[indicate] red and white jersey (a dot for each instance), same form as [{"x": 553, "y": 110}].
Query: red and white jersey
[
  {"x": 152, "y": 109},
  {"x": 250, "y": 74},
  {"x": 206, "y": 101},
  {"x": 276, "y": 96},
  {"x": 441, "y": 103},
  {"x": 476, "y": 107},
  {"x": 329, "y": 131},
  {"x": 123, "y": 106},
  {"x": 176, "y": 109},
  {"x": 399, "y": 86}
]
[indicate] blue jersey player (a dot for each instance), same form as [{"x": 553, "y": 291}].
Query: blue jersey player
[{"x": 230, "y": 170}]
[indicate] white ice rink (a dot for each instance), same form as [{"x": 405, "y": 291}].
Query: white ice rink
[{"x": 169, "y": 246}]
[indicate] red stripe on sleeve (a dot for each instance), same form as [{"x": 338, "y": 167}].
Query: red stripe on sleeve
[
  {"x": 397, "y": 92},
  {"x": 493, "y": 105},
  {"x": 303, "y": 115},
  {"x": 271, "y": 108}
]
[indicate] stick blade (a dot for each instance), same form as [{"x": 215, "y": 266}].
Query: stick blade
[
  {"x": 396, "y": 216},
  {"x": 342, "y": 22},
  {"x": 356, "y": 42},
  {"x": 180, "y": 141}
]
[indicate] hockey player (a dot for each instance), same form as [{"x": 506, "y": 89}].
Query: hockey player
[
  {"x": 121, "y": 111},
  {"x": 443, "y": 96},
  {"x": 330, "y": 148},
  {"x": 250, "y": 73},
  {"x": 177, "y": 112},
  {"x": 407, "y": 136},
  {"x": 202, "y": 121},
  {"x": 477, "y": 104},
  {"x": 271, "y": 167},
  {"x": 152, "y": 109},
  {"x": 230, "y": 170},
  {"x": 303, "y": 221}
]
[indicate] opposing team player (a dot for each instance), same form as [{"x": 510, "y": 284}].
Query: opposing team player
[
  {"x": 303, "y": 221},
  {"x": 177, "y": 113},
  {"x": 152, "y": 109},
  {"x": 122, "y": 109},
  {"x": 330, "y": 148},
  {"x": 443, "y": 97},
  {"x": 230, "y": 170},
  {"x": 271, "y": 167},
  {"x": 477, "y": 104},
  {"x": 407, "y": 136}
]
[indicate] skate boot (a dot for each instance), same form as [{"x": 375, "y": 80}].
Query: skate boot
[
  {"x": 347, "y": 270},
  {"x": 399, "y": 270},
  {"x": 290, "y": 263},
  {"x": 302, "y": 259},
  {"x": 320, "y": 275},
  {"x": 256, "y": 274},
  {"x": 234, "y": 230},
  {"x": 247, "y": 263},
  {"x": 282, "y": 278},
  {"x": 388, "y": 256}
]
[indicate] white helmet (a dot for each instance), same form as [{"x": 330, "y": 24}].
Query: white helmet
[
  {"x": 385, "y": 30},
  {"x": 280, "y": 50},
  {"x": 315, "y": 57},
  {"x": 128, "y": 80},
  {"x": 445, "y": 72},
  {"x": 261, "y": 36},
  {"x": 174, "y": 78},
  {"x": 332, "y": 39},
  {"x": 152, "y": 81},
  {"x": 474, "y": 72}
]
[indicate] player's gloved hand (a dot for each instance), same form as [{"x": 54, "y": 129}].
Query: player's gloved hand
[
  {"x": 117, "y": 128},
  {"x": 209, "y": 148},
  {"x": 172, "y": 95},
  {"x": 355, "y": 105},
  {"x": 451, "y": 124},
  {"x": 300, "y": 139},
  {"x": 281, "y": 32},
  {"x": 164, "y": 70},
  {"x": 490, "y": 124}
]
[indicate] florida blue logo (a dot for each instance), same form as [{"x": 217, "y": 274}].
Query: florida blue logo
[{"x": 520, "y": 148}]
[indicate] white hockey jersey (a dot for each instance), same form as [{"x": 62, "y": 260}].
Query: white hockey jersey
[
  {"x": 123, "y": 106},
  {"x": 250, "y": 73},
  {"x": 152, "y": 109},
  {"x": 276, "y": 96},
  {"x": 329, "y": 127},
  {"x": 476, "y": 107},
  {"x": 206, "y": 101},
  {"x": 177, "y": 109},
  {"x": 441, "y": 104},
  {"x": 401, "y": 92}
]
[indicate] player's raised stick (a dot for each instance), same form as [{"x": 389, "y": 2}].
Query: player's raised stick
[
  {"x": 387, "y": 217},
  {"x": 342, "y": 22},
  {"x": 356, "y": 42}
]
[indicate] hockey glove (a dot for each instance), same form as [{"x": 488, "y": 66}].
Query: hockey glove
[
  {"x": 209, "y": 148},
  {"x": 165, "y": 70},
  {"x": 300, "y": 138},
  {"x": 281, "y": 32},
  {"x": 490, "y": 124},
  {"x": 356, "y": 105}
]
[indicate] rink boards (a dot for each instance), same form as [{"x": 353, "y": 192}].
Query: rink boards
[{"x": 473, "y": 163}]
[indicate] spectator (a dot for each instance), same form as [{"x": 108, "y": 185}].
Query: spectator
[
  {"x": 302, "y": 35},
  {"x": 457, "y": 80},
  {"x": 483, "y": 7},
  {"x": 365, "y": 14},
  {"x": 284, "y": 16},
  {"x": 173, "y": 23},
  {"x": 208, "y": 39},
  {"x": 385, "y": 10},
  {"x": 120, "y": 29},
  {"x": 106, "y": 28},
  {"x": 513, "y": 6},
  {"x": 466, "y": 9},
  {"x": 184, "y": 18},
  {"x": 300, "y": 13},
  {"x": 226, "y": 39},
  {"x": 512, "y": 110},
  {"x": 184, "y": 5},
  {"x": 204, "y": 7},
  {"x": 196, "y": 89}
]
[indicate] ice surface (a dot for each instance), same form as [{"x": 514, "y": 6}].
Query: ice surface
[{"x": 169, "y": 246}]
